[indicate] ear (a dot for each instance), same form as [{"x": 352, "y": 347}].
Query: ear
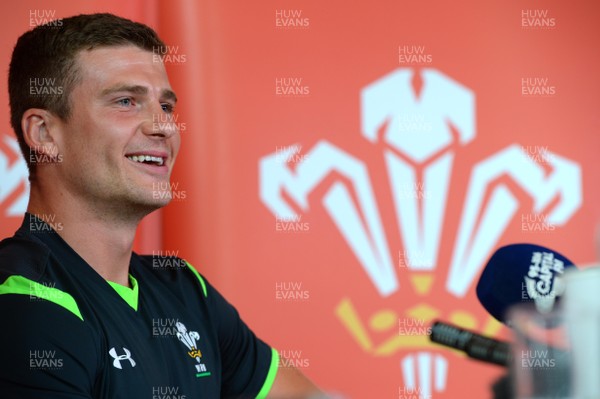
[{"x": 39, "y": 132}]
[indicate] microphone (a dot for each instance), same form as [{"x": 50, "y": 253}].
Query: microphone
[
  {"x": 475, "y": 345},
  {"x": 518, "y": 273}
]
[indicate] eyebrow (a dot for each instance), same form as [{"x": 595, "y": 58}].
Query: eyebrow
[{"x": 137, "y": 89}]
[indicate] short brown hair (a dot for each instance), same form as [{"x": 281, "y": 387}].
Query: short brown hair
[{"x": 48, "y": 53}]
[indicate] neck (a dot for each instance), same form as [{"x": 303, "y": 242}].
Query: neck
[{"x": 101, "y": 237}]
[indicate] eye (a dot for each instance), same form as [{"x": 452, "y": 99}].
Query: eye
[
  {"x": 168, "y": 108},
  {"x": 126, "y": 102}
]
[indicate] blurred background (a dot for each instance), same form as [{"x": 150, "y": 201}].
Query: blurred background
[{"x": 347, "y": 169}]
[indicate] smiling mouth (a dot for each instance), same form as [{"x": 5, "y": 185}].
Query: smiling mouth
[{"x": 147, "y": 159}]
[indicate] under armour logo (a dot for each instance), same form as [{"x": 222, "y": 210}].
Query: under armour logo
[{"x": 118, "y": 358}]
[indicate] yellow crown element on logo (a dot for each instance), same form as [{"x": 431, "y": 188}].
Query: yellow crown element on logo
[{"x": 194, "y": 353}]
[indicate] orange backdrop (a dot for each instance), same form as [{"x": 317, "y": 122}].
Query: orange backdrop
[{"x": 347, "y": 169}]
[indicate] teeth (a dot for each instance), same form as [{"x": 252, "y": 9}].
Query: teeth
[{"x": 147, "y": 158}]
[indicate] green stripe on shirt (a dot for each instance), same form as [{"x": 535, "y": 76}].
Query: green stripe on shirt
[
  {"x": 23, "y": 286},
  {"x": 264, "y": 391}
]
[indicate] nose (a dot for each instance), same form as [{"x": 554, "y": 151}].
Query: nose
[{"x": 160, "y": 123}]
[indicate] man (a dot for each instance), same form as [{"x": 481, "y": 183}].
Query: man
[{"x": 80, "y": 311}]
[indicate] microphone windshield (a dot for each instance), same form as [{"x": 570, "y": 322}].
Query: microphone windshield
[{"x": 518, "y": 273}]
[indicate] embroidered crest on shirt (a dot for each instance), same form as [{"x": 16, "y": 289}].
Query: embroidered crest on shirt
[{"x": 190, "y": 339}]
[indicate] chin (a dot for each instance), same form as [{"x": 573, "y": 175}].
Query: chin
[
  {"x": 148, "y": 203},
  {"x": 163, "y": 202},
  {"x": 139, "y": 209},
  {"x": 156, "y": 203}
]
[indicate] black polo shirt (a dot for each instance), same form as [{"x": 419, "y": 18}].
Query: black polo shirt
[{"x": 68, "y": 333}]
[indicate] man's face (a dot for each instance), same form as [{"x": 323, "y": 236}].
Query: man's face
[{"x": 120, "y": 143}]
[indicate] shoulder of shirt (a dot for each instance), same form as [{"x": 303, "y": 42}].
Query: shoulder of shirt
[
  {"x": 23, "y": 263},
  {"x": 171, "y": 268},
  {"x": 22, "y": 256}
]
